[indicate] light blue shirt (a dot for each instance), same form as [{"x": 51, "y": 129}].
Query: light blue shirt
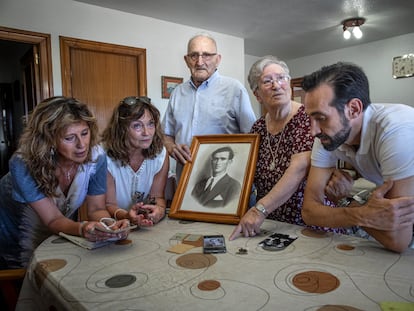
[
  {"x": 220, "y": 105},
  {"x": 21, "y": 229},
  {"x": 386, "y": 150}
]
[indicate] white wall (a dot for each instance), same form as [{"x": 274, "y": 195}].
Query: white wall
[
  {"x": 375, "y": 58},
  {"x": 166, "y": 43},
  {"x": 248, "y": 61}
]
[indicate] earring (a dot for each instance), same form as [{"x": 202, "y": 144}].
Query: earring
[{"x": 52, "y": 153}]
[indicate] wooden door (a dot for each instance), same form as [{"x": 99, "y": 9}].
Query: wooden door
[
  {"x": 42, "y": 44},
  {"x": 31, "y": 79},
  {"x": 37, "y": 66},
  {"x": 298, "y": 94},
  {"x": 102, "y": 74}
]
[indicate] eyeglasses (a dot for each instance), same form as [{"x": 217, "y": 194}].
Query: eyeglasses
[
  {"x": 204, "y": 56},
  {"x": 281, "y": 79},
  {"x": 139, "y": 126},
  {"x": 132, "y": 100}
]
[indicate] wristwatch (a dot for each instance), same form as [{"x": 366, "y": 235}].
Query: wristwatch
[
  {"x": 361, "y": 197},
  {"x": 344, "y": 202},
  {"x": 261, "y": 209}
]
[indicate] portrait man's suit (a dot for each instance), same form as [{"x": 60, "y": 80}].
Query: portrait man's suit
[{"x": 225, "y": 190}]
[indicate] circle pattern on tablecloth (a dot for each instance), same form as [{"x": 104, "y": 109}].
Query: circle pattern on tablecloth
[
  {"x": 44, "y": 267},
  {"x": 196, "y": 261},
  {"x": 314, "y": 233},
  {"x": 123, "y": 242},
  {"x": 316, "y": 282},
  {"x": 337, "y": 308},
  {"x": 345, "y": 247},
  {"x": 120, "y": 280},
  {"x": 208, "y": 285}
]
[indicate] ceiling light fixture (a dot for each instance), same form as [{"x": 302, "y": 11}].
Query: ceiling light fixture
[{"x": 354, "y": 25}]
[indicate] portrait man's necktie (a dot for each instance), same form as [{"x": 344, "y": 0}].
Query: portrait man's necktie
[{"x": 209, "y": 184}]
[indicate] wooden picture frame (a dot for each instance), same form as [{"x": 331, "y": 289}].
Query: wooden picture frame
[
  {"x": 168, "y": 84},
  {"x": 192, "y": 202}
]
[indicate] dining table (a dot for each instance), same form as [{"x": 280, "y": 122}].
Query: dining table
[{"x": 164, "y": 267}]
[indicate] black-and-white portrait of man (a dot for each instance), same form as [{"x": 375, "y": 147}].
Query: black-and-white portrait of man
[{"x": 218, "y": 188}]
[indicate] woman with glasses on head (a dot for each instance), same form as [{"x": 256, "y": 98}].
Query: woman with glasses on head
[
  {"x": 284, "y": 154},
  {"x": 138, "y": 162},
  {"x": 57, "y": 166}
]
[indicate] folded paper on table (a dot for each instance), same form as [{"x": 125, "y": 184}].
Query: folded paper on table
[{"x": 84, "y": 242}]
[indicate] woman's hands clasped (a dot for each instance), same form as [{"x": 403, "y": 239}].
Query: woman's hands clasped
[{"x": 146, "y": 214}]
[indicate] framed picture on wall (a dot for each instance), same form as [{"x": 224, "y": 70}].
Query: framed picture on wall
[
  {"x": 216, "y": 185},
  {"x": 168, "y": 84}
]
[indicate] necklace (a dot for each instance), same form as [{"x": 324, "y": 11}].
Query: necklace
[
  {"x": 275, "y": 161},
  {"x": 68, "y": 173}
]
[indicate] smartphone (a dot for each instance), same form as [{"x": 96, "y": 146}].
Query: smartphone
[
  {"x": 101, "y": 228},
  {"x": 214, "y": 244}
]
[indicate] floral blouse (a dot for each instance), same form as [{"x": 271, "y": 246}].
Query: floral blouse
[{"x": 275, "y": 153}]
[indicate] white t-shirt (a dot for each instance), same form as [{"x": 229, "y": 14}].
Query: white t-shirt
[
  {"x": 386, "y": 149},
  {"x": 130, "y": 184}
]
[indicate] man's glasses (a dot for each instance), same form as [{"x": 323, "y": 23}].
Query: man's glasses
[
  {"x": 204, "y": 56},
  {"x": 281, "y": 79},
  {"x": 132, "y": 100}
]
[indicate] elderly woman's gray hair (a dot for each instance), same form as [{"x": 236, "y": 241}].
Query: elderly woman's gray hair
[{"x": 257, "y": 69}]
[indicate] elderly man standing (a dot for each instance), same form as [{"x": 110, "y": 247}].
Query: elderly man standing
[{"x": 208, "y": 103}]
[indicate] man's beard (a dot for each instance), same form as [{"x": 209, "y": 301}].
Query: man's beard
[{"x": 338, "y": 139}]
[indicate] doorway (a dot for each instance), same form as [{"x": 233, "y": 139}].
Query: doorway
[
  {"x": 25, "y": 79},
  {"x": 101, "y": 74}
]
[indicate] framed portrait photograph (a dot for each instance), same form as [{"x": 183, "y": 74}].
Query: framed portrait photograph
[
  {"x": 168, "y": 84},
  {"x": 216, "y": 185}
]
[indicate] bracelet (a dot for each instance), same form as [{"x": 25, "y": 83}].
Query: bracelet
[
  {"x": 119, "y": 209},
  {"x": 82, "y": 224},
  {"x": 261, "y": 209}
]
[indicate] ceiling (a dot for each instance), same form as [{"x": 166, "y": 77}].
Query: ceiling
[{"x": 286, "y": 28}]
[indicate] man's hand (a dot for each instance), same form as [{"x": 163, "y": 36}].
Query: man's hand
[
  {"x": 388, "y": 214},
  {"x": 180, "y": 153},
  {"x": 339, "y": 185},
  {"x": 249, "y": 225}
]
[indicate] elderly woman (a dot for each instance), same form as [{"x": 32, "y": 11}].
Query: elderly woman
[
  {"x": 57, "y": 166},
  {"x": 137, "y": 162},
  {"x": 284, "y": 152}
]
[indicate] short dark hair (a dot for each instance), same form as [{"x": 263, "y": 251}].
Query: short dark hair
[
  {"x": 347, "y": 80},
  {"x": 224, "y": 149}
]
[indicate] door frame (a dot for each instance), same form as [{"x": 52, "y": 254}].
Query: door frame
[{"x": 44, "y": 58}]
